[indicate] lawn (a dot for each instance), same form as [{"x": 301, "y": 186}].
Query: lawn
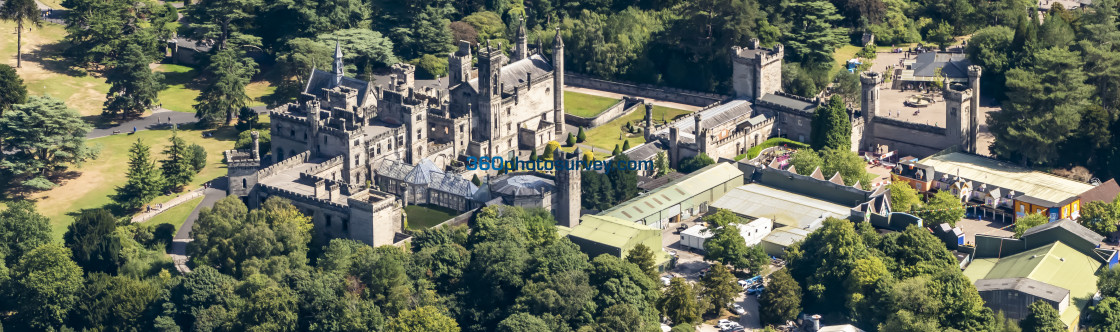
[
  {"x": 99, "y": 178},
  {"x": 606, "y": 136},
  {"x": 841, "y": 57},
  {"x": 45, "y": 70},
  {"x": 585, "y": 105},
  {"x": 176, "y": 215},
  {"x": 426, "y": 215},
  {"x": 184, "y": 86},
  {"x": 754, "y": 151}
]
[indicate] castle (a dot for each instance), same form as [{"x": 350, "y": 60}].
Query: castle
[
  {"x": 351, "y": 155},
  {"x": 759, "y": 110}
]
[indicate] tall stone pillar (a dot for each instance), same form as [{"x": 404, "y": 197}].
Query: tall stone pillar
[
  {"x": 869, "y": 105},
  {"x": 974, "y": 124}
]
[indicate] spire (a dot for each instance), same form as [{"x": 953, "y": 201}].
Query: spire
[
  {"x": 521, "y": 50},
  {"x": 337, "y": 63}
]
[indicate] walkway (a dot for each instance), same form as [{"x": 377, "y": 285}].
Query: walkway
[
  {"x": 159, "y": 119},
  {"x": 216, "y": 192}
]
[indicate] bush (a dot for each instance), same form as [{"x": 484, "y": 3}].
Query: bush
[
  {"x": 198, "y": 157},
  {"x": 430, "y": 66},
  {"x": 245, "y": 141}
]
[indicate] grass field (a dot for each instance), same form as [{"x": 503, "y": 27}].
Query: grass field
[
  {"x": 427, "y": 215},
  {"x": 44, "y": 68},
  {"x": 100, "y": 177},
  {"x": 176, "y": 215},
  {"x": 841, "y": 57},
  {"x": 606, "y": 136},
  {"x": 585, "y": 105},
  {"x": 181, "y": 89}
]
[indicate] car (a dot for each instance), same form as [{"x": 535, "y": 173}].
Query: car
[
  {"x": 738, "y": 309},
  {"x": 681, "y": 229},
  {"x": 665, "y": 280},
  {"x": 744, "y": 284},
  {"x": 755, "y": 290},
  {"x": 724, "y": 323},
  {"x": 734, "y": 329}
]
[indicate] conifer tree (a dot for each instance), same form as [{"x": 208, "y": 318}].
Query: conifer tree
[
  {"x": 719, "y": 287},
  {"x": 135, "y": 88},
  {"x": 625, "y": 145},
  {"x": 533, "y": 156},
  {"x": 580, "y": 136},
  {"x": 571, "y": 140},
  {"x": 476, "y": 180},
  {"x": 144, "y": 181},
  {"x": 177, "y": 168},
  {"x": 617, "y": 150}
]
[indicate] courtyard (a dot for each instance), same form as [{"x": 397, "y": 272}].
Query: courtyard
[{"x": 425, "y": 216}]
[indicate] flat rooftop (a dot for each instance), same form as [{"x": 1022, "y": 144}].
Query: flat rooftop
[
  {"x": 1035, "y": 184},
  {"x": 783, "y": 207}
]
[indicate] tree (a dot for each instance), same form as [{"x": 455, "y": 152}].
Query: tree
[
  {"x": 238, "y": 242},
  {"x": 522, "y": 322},
  {"x": 831, "y": 128},
  {"x": 915, "y": 252},
  {"x": 727, "y": 247},
  {"x": 176, "y": 165},
  {"x": 245, "y": 141},
  {"x": 21, "y": 230},
  {"x": 642, "y": 256},
  {"x": 1044, "y": 103},
  {"x": 476, "y": 180},
  {"x": 903, "y": 197},
  {"x": 626, "y": 145},
  {"x": 268, "y": 306},
  {"x": 1106, "y": 315},
  {"x": 21, "y": 12},
  {"x": 1042, "y": 317},
  {"x": 571, "y": 140},
  {"x": 222, "y": 21},
  {"x": 12, "y": 90},
  {"x": 134, "y": 87},
  {"x": 205, "y": 298},
  {"x": 834, "y": 266},
  {"x": 550, "y": 150},
  {"x": 661, "y": 164},
  {"x": 851, "y": 167},
  {"x": 113, "y": 303},
  {"x": 580, "y": 136},
  {"x": 990, "y": 48},
  {"x": 1031, "y": 220},
  {"x": 1001, "y": 324},
  {"x": 719, "y": 287},
  {"x": 942, "y": 34},
  {"x": 43, "y": 287},
  {"x": 144, "y": 179},
  {"x": 943, "y": 207},
  {"x": 364, "y": 48},
  {"x": 781, "y": 301},
  {"x": 813, "y": 36},
  {"x": 228, "y": 74},
  {"x": 624, "y": 182},
  {"x": 679, "y": 302},
  {"x": 616, "y": 152},
  {"x": 198, "y": 157},
  {"x": 423, "y": 319},
  {"x": 695, "y": 163},
  {"x": 805, "y": 161},
  {"x": 46, "y": 137},
  {"x": 1109, "y": 283},
  {"x": 1101, "y": 216},
  {"x": 91, "y": 240}
]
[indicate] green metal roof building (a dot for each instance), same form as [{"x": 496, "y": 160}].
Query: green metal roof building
[
  {"x": 681, "y": 198},
  {"x": 1056, "y": 263},
  {"x": 597, "y": 235}
]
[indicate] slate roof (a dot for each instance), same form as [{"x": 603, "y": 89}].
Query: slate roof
[
  {"x": 515, "y": 73},
  {"x": 323, "y": 80},
  {"x": 714, "y": 116},
  {"x": 1103, "y": 192},
  {"x": 523, "y": 185},
  {"x": 645, "y": 151},
  {"x": 1069, "y": 225},
  {"x": 789, "y": 102},
  {"x": 1025, "y": 285},
  {"x": 953, "y": 65}
]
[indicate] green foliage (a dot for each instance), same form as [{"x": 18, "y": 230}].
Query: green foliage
[
  {"x": 223, "y": 21},
  {"x": 245, "y": 140},
  {"x": 943, "y": 207},
  {"x": 831, "y": 126},
  {"x": 903, "y": 197},
  {"x": 134, "y": 87},
  {"x": 1043, "y": 108},
  {"x": 1106, "y": 315},
  {"x": 550, "y": 150},
  {"x": 268, "y": 306},
  {"x": 609, "y": 46},
  {"x": 571, "y": 140},
  {"x": 695, "y": 163},
  {"x": 1031, "y": 220},
  {"x": 1042, "y": 317},
  {"x": 834, "y": 266},
  {"x": 46, "y": 137},
  {"x": 489, "y": 27},
  {"x": 522, "y": 322},
  {"x": 597, "y": 190},
  {"x": 270, "y": 240},
  {"x": 1101, "y": 216},
  {"x": 476, "y": 180},
  {"x": 12, "y": 90},
  {"x": 198, "y": 157},
  {"x": 941, "y": 34},
  {"x": 850, "y": 165},
  {"x": 22, "y": 12},
  {"x": 43, "y": 287},
  {"x": 1109, "y": 282},
  {"x": 90, "y": 239},
  {"x": 624, "y": 182},
  {"x": 990, "y": 48},
  {"x": 626, "y": 145},
  {"x": 430, "y": 66},
  {"x": 580, "y": 137},
  {"x": 203, "y": 299},
  {"x": 914, "y": 252},
  {"x": 114, "y": 303},
  {"x": 365, "y": 48},
  {"x": 229, "y": 72},
  {"x": 719, "y": 287},
  {"x": 144, "y": 179},
  {"x": 642, "y": 256},
  {"x": 728, "y": 247},
  {"x": 806, "y": 81},
  {"x": 868, "y": 52},
  {"x": 661, "y": 164},
  {"x": 21, "y": 230},
  {"x": 813, "y": 35},
  {"x": 176, "y": 165},
  {"x": 848, "y": 88},
  {"x": 679, "y": 302},
  {"x": 781, "y": 301},
  {"x": 247, "y": 119},
  {"x": 616, "y": 152}
]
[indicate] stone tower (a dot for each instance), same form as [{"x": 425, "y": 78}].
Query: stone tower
[
  {"x": 649, "y": 121},
  {"x": 312, "y": 107},
  {"x": 869, "y": 105},
  {"x": 558, "y": 83},
  {"x": 974, "y": 129},
  {"x": 256, "y": 145},
  {"x": 490, "y": 62},
  {"x": 958, "y": 115},
  {"x": 459, "y": 65},
  {"x": 521, "y": 50},
  {"x": 700, "y": 135},
  {"x": 568, "y": 190},
  {"x": 338, "y": 68},
  {"x": 674, "y": 147},
  {"x": 756, "y": 71}
]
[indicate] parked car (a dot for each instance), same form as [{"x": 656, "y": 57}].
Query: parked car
[
  {"x": 724, "y": 323},
  {"x": 665, "y": 280},
  {"x": 737, "y": 328},
  {"x": 738, "y": 309},
  {"x": 755, "y": 290},
  {"x": 743, "y": 284}
]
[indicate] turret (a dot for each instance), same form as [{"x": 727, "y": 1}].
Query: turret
[
  {"x": 521, "y": 51},
  {"x": 256, "y": 145},
  {"x": 459, "y": 65},
  {"x": 974, "y": 128},
  {"x": 338, "y": 67},
  {"x": 568, "y": 184},
  {"x": 869, "y": 104},
  {"x": 649, "y": 121}
]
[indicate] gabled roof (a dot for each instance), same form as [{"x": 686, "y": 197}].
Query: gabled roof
[
  {"x": 320, "y": 80},
  {"x": 1103, "y": 192},
  {"x": 789, "y": 102},
  {"x": 817, "y": 174},
  {"x": 515, "y": 73},
  {"x": 1025, "y": 285},
  {"x": 1041, "y": 186},
  {"x": 1069, "y": 225},
  {"x": 953, "y": 65},
  {"x": 720, "y": 114},
  {"x": 837, "y": 179}
]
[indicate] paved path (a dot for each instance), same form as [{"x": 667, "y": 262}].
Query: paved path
[
  {"x": 216, "y": 192},
  {"x": 159, "y": 119}
]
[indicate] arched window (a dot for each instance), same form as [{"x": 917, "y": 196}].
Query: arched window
[{"x": 244, "y": 184}]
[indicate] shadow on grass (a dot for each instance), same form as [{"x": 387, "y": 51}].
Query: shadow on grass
[{"x": 52, "y": 57}]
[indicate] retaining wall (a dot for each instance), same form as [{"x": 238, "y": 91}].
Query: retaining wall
[{"x": 675, "y": 95}]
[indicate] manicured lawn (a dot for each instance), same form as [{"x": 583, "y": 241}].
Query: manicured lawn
[
  {"x": 585, "y": 105},
  {"x": 99, "y": 178},
  {"x": 45, "y": 70},
  {"x": 184, "y": 86},
  {"x": 176, "y": 215},
  {"x": 841, "y": 57},
  {"x": 427, "y": 215},
  {"x": 606, "y": 136},
  {"x": 258, "y": 90}
]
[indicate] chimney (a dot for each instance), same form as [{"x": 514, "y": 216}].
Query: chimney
[
  {"x": 815, "y": 323},
  {"x": 320, "y": 189},
  {"x": 334, "y": 192},
  {"x": 256, "y": 145}
]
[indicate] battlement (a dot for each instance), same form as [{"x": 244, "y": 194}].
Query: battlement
[
  {"x": 910, "y": 125},
  {"x": 870, "y": 77},
  {"x": 241, "y": 159},
  {"x": 284, "y": 164},
  {"x": 957, "y": 93},
  {"x": 756, "y": 54},
  {"x": 303, "y": 198},
  {"x": 371, "y": 200},
  {"x": 330, "y": 163},
  {"x": 783, "y": 108}
]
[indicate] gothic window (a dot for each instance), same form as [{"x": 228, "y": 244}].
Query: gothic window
[
  {"x": 244, "y": 184},
  {"x": 953, "y": 111},
  {"x": 328, "y": 220},
  {"x": 292, "y": 133}
]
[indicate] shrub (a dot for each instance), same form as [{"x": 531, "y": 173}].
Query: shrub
[{"x": 430, "y": 66}]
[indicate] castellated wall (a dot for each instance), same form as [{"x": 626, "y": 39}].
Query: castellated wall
[
  {"x": 675, "y": 95},
  {"x": 289, "y": 136},
  {"x": 910, "y": 138}
]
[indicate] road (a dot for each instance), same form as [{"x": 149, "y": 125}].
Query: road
[
  {"x": 159, "y": 119},
  {"x": 216, "y": 192}
]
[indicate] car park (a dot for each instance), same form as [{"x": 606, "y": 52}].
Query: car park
[
  {"x": 755, "y": 290},
  {"x": 724, "y": 323}
]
